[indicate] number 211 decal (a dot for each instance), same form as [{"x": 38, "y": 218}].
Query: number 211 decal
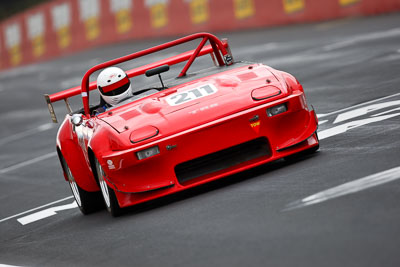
[{"x": 191, "y": 94}]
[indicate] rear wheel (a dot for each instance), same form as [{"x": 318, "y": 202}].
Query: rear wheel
[
  {"x": 108, "y": 193},
  {"x": 88, "y": 202}
]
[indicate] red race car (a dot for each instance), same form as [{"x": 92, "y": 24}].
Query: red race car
[{"x": 193, "y": 129}]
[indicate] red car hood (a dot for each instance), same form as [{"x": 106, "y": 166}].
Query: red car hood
[{"x": 200, "y": 101}]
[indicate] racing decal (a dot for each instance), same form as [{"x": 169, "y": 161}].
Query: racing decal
[
  {"x": 13, "y": 43},
  {"x": 158, "y": 12},
  {"x": 244, "y": 8},
  {"x": 228, "y": 59},
  {"x": 122, "y": 12},
  {"x": 191, "y": 94},
  {"x": 61, "y": 17},
  {"x": 36, "y": 30},
  {"x": 89, "y": 11},
  {"x": 199, "y": 11},
  {"x": 204, "y": 108},
  {"x": 256, "y": 126},
  {"x": 348, "y": 2},
  {"x": 292, "y": 6},
  {"x": 110, "y": 164}
]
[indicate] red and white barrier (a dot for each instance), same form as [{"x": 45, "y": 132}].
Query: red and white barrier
[{"x": 60, "y": 27}]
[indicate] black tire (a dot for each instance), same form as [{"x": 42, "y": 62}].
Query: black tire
[
  {"x": 303, "y": 153},
  {"x": 110, "y": 199},
  {"x": 314, "y": 148},
  {"x": 88, "y": 202}
]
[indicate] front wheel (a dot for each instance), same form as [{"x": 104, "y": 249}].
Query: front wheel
[
  {"x": 88, "y": 202},
  {"x": 108, "y": 193}
]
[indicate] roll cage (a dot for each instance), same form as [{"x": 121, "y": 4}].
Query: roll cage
[{"x": 219, "y": 50}]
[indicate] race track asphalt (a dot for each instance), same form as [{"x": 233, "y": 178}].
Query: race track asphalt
[{"x": 279, "y": 214}]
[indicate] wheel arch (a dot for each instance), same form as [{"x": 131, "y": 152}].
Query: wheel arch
[
  {"x": 78, "y": 166},
  {"x": 92, "y": 157},
  {"x": 62, "y": 159},
  {"x": 92, "y": 160}
]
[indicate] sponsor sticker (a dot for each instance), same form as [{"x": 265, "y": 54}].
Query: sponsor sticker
[
  {"x": 122, "y": 13},
  {"x": 244, "y": 9},
  {"x": 158, "y": 12},
  {"x": 36, "y": 31},
  {"x": 256, "y": 126},
  {"x": 89, "y": 11},
  {"x": 110, "y": 164},
  {"x": 292, "y": 6},
  {"x": 228, "y": 59},
  {"x": 13, "y": 38},
  {"x": 347, "y": 2},
  {"x": 61, "y": 17},
  {"x": 199, "y": 11}
]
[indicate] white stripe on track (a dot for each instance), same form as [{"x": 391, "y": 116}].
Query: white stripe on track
[
  {"x": 355, "y": 106},
  {"x": 347, "y": 188},
  {"x": 24, "y": 134},
  {"x": 45, "y": 213},
  {"x": 28, "y": 162},
  {"x": 363, "y": 38},
  {"x": 43, "y": 206}
]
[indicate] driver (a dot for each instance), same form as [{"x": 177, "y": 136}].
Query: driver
[{"x": 114, "y": 86}]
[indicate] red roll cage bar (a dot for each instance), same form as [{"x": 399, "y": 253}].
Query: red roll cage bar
[{"x": 215, "y": 48}]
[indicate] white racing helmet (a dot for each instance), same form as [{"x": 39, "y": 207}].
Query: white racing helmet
[{"x": 114, "y": 85}]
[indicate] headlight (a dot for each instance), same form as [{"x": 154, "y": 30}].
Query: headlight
[
  {"x": 265, "y": 92},
  {"x": 143, "y": 133},
  {"x": 276, "y": 110},
  {"x": 147, "y": 153}
]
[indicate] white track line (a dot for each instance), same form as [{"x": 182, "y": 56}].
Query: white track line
[
  {"x": 29, "y": 132},
  {"x": 347, "y": 188},
  {"x": 28, "y": 162},
  {"x": 363, "y": 38},
  {"x": 45, "y": 213},
  {"x": 25, "y": 212},
  {"x": 355, "y": 106}
]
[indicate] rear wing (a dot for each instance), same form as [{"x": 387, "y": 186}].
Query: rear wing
[{"x": 218, "y": 49}]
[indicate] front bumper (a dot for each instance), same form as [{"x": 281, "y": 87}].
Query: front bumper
[{"x": 287, "y": 133}]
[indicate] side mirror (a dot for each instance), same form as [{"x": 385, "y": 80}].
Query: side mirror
[{"x": 77, "y": 119}]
